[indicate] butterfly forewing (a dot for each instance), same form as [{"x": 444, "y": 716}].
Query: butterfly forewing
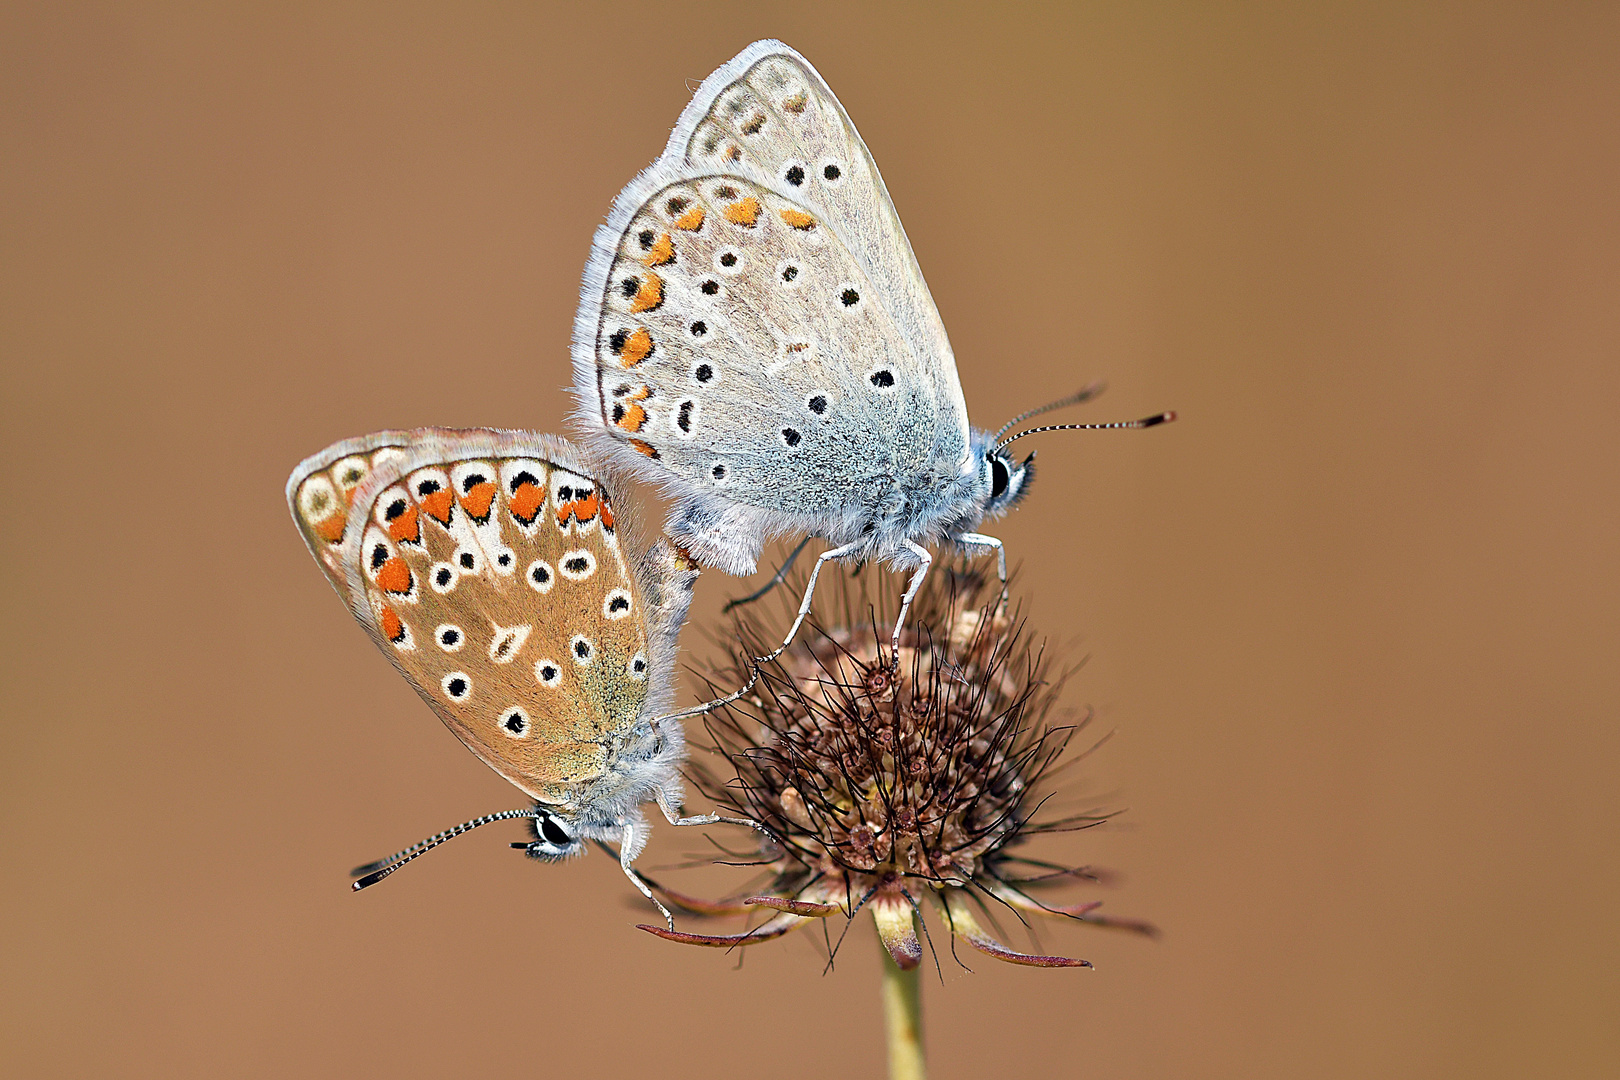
[
  {"x": 761, "y": 325},
  {"x": 488, "y": 567}
]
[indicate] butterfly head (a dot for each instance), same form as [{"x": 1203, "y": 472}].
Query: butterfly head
[{"x": 1003, "y": 479}]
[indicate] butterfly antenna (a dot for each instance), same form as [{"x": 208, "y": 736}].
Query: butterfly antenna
[
  {"x": 376, "y": 871},
  {"x": 1147, "y": 421},
  {"x": 1079, "y": 397}
]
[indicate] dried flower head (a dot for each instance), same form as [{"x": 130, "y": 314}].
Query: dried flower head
[{"x": 891, "y": 786}]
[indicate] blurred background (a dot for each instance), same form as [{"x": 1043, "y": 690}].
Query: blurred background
[{"x": 1354, "y": 619}]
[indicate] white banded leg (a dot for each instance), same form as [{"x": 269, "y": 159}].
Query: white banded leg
[
  {"x": 905, "y": 604},
  {"x": 627, "y": 844},
  {"x": 979, "y": 540},
  {"x": 804, "y": 605},
  {"x": 674, "y": 817}
]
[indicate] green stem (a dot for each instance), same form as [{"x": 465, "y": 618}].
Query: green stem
[{"x": 902, "y": 1013}]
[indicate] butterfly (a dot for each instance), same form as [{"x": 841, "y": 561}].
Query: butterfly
[
  {"x": 490, "y": 568},
  {"x": 755, "y": 336}
]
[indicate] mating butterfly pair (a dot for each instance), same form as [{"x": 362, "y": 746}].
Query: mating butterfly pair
[{"x": 754, "y": 334}]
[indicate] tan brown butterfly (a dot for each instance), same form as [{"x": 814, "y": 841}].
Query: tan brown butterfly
[{"x": 490, "y": 568}]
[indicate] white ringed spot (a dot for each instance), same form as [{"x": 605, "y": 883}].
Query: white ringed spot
[{"x": 451, "y": 638}]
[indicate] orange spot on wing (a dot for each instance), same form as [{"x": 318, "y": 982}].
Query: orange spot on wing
[
  {"x": 634, "y": 418},
  {"x": 476, "y": 502},
  {"x": 438, "y": 506},
  {"x": 795, "y": 104},
  {"x": 641, "y": 393},
  {"x": 798, "y": 219},
  {"x": 644, "y": 448},
  {"x": 331, "y": 528},
  {"x": 744, "y": 212},
  {"x": 663, "y": 251},
  {"x": 691, "y": 221},
  {"x": 639, "y": 345},
  {"x": 527, "y": 501},
  {"x": 649, "y": 296},
  {"x": 585, "y": 509},
  {"x": 393, "y": 629},
  {"x": 406, "y": 527},
  {"x": 607, "y": 515},
  {"x": 394, "y": 576}
]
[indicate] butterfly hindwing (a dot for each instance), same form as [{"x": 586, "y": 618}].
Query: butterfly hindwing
[{"x": 487, "y": 566}]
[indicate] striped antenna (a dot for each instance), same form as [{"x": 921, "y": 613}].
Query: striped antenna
[
  {"x": 376, "y": 871},
  {"x": 1147, "y": 421}
]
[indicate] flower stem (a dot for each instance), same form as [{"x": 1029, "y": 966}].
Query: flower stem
[{"x": 902, "y": 1012}]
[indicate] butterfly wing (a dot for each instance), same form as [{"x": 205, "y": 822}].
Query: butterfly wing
[
  {"x": 754, "y": 328},
  {"x": 487, "y": 566}
]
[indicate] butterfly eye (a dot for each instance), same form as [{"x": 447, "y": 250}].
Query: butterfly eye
[
  {"x": 998, "y": 477},
  {"x": 551, "y": 831}
]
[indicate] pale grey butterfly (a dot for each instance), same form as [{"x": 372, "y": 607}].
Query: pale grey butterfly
[
  {"x": 490, "y": 568},
  {"x": 755, "y": 336}
]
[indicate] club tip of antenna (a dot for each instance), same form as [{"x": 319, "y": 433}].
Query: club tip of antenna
[
  {"x": 1162, "y": 418},
  {"x": 370, "y": 879}
]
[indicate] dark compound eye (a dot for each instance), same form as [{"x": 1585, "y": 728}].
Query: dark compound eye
[
  {"x": 795, "y": 175},
  {"x": 998, "y": 477},
  {"x": 831, "y": 172},
  {"x": 703, "y": 373},
  {"x": 553, "y": 833},
  {"x": 882, "y": 379},
  {"x": 818, "y": 404}
]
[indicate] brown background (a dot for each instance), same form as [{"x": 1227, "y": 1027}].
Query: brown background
[{"x": 1354, "y": 618}]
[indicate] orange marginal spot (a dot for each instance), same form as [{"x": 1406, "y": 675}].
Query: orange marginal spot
[
  {"x": 743, "y": 212},
  {"x": 392, "y": 628},
  {"x": 394, "y": 576},
  {"x": 407, "y": 527},
  {"x": 663, "y": 251},
  {"x": 438, "y": 506},
  {"x": 644, "y": 448},
  {"x": 330, "y": 528},
  {"x": 607, "y": 515},
  {"x": 641, "y": 393},
  {"x": 796, "y": 103},
  {"x": 798, "y": 219},
  {"x": 733, "y": 153},
  {"x": 639, "y": 345},
  {"x": 476, "y": 502},
  {"x": 585, "y": 509},
  {"x": 564, "y": 512},
  {"x": 527, "y": 501},
  {"x": 649, "y": 296},
  {"x": 691, "y": 221},
  {"x": 634, "y": 418}
]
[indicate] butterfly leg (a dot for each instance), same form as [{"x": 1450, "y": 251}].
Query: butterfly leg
[
  {"x": 979, "y": 540},
  {"x": 776, "y": 579},
  {"x": 809, "y": 594},
  {"x": 626, "y": 846},
  {"x": 917, "y": 576},
  {"x": 673, "y": 814}
]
